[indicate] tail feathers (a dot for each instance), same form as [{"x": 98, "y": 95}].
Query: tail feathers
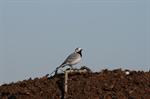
[
  {"x": 56, "y": 72},
  {"x": 61, "y": 66},
  {"x": 58, "y": 69}
]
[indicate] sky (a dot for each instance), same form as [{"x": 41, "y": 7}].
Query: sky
[{"x": 37, "y": 35}]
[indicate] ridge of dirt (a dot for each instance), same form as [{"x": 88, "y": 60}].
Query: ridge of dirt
[{"x": 107, "y": 84}]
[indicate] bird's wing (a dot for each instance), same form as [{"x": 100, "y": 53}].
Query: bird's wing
[{"x": 70, "y": 58}]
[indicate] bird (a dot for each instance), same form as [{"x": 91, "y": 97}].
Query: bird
[{"x": 72, "y": 59}]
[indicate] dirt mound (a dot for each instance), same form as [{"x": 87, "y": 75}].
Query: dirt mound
[{"x": 116, "y": 84}]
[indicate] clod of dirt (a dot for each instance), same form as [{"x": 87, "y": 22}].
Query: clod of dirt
[{"x": 116, "y": 84}]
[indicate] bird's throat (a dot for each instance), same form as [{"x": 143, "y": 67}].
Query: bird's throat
[{"x": 80, "y": 52}]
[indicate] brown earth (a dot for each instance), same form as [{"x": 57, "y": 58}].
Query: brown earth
[{"x": 106, "y": 84}]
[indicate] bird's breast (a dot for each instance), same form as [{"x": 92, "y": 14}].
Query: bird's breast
[{"x": 77, "y": 60}]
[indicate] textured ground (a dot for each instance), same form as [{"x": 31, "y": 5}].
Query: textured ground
[{"x": 106, "y": 84}]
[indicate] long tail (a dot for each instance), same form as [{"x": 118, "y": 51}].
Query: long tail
[
  {"x": 56, "y": 70},
  {"x": 61, "y": 66},
  {"x": 52, "y": 73}
]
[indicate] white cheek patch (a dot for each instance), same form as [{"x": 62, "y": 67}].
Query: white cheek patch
[{"x": 78, "y": 50}]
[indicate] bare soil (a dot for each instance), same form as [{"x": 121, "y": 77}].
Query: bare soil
[{"x": 107, "y": 84}]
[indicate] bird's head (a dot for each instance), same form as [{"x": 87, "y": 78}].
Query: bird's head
[{"x": 78, "y": 49}]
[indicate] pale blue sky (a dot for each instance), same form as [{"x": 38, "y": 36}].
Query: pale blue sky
[{"x": 36, "y": 35}]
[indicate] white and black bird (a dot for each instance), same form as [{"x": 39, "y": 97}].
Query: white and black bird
[{"x": 72, "y": 59}]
